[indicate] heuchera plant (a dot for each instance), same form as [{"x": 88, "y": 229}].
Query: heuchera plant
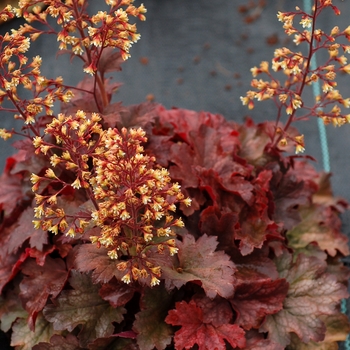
[{"x": 146, "y": 228}]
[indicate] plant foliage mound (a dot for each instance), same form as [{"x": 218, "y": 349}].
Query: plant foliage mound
[{"x": 145, "y": 228}]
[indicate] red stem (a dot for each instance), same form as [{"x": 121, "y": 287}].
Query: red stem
[{"x": 299, "y": 92}]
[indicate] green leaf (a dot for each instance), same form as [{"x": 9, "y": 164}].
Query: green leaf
[
  {"x": 319, "y": 224},
  {"x": 10, "y": 309},
  {"x": 152, "y": 330},
  {"x": 338, "y": 328},
  {"x": 296, "y": 344},
  {"x": 312, "y": 293},
  {"x": 198, "y": 261},
  {"x": 25, "y": 339},
  {"x": 83, "y": 306}
]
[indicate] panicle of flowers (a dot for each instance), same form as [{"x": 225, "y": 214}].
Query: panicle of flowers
[
  {"x": 18, "y": 72},
  {"x": 136, "y": 204},
  {"x": 134, "y": 200},
  {"x": 86, "y": 36},
  {"x": 83, "y": 35},
  {"x": 6, "y": 13},
  {"x": 299, "y": 73},
  {"x": 69, "y": 141}
]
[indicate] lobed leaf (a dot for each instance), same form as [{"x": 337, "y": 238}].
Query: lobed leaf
[
  {"x": 90, "y": 258},
  {"x": 194, "y": 330},
  {"x": 82, "y": 99},
  {"x": 215, "y": 311},
  {"x": 10, "y": 188},
  {"x": 9, "y": 267},
  {"x": 199, "y": 262},
  {"x": 213, "y": 222},
  {"x": 116, "y": 293},
  {"x": 256, "y": 297},
  {"x": 219, "y": 189},
  {"x": 257, "y": 341},
  {"x": 58, "y": 342},
  {"x": 244, "y": 211},
  {"x": 23, "y": 338},
  {"x": 253, "y": 141},
  {"x": 40, "y": 282},
  {"x": 255, "y": 223},
  {"x": 254, "y": 230},
  {"x": 338, "y": 329},
  {"x": 209, "y": 142},
  {"x": 27, "y": 162},
  {"x": 184, "y": 122},
  {"x": 134, "y": 116},
  {"x": 289, "y": 194},
  {"x": 320, "y": 224},
  {"x": 312, "y": 293},
  {"x": 113, "y": 342},
  {"x": 83, "y": 306},
  {"x": 152, "y": 331},
  {"x": 10, "y": 309},
  {"x": 109, "y": 61},
  {"x": 40, "y": 255},
  {"x": 23, "y": 230}
]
